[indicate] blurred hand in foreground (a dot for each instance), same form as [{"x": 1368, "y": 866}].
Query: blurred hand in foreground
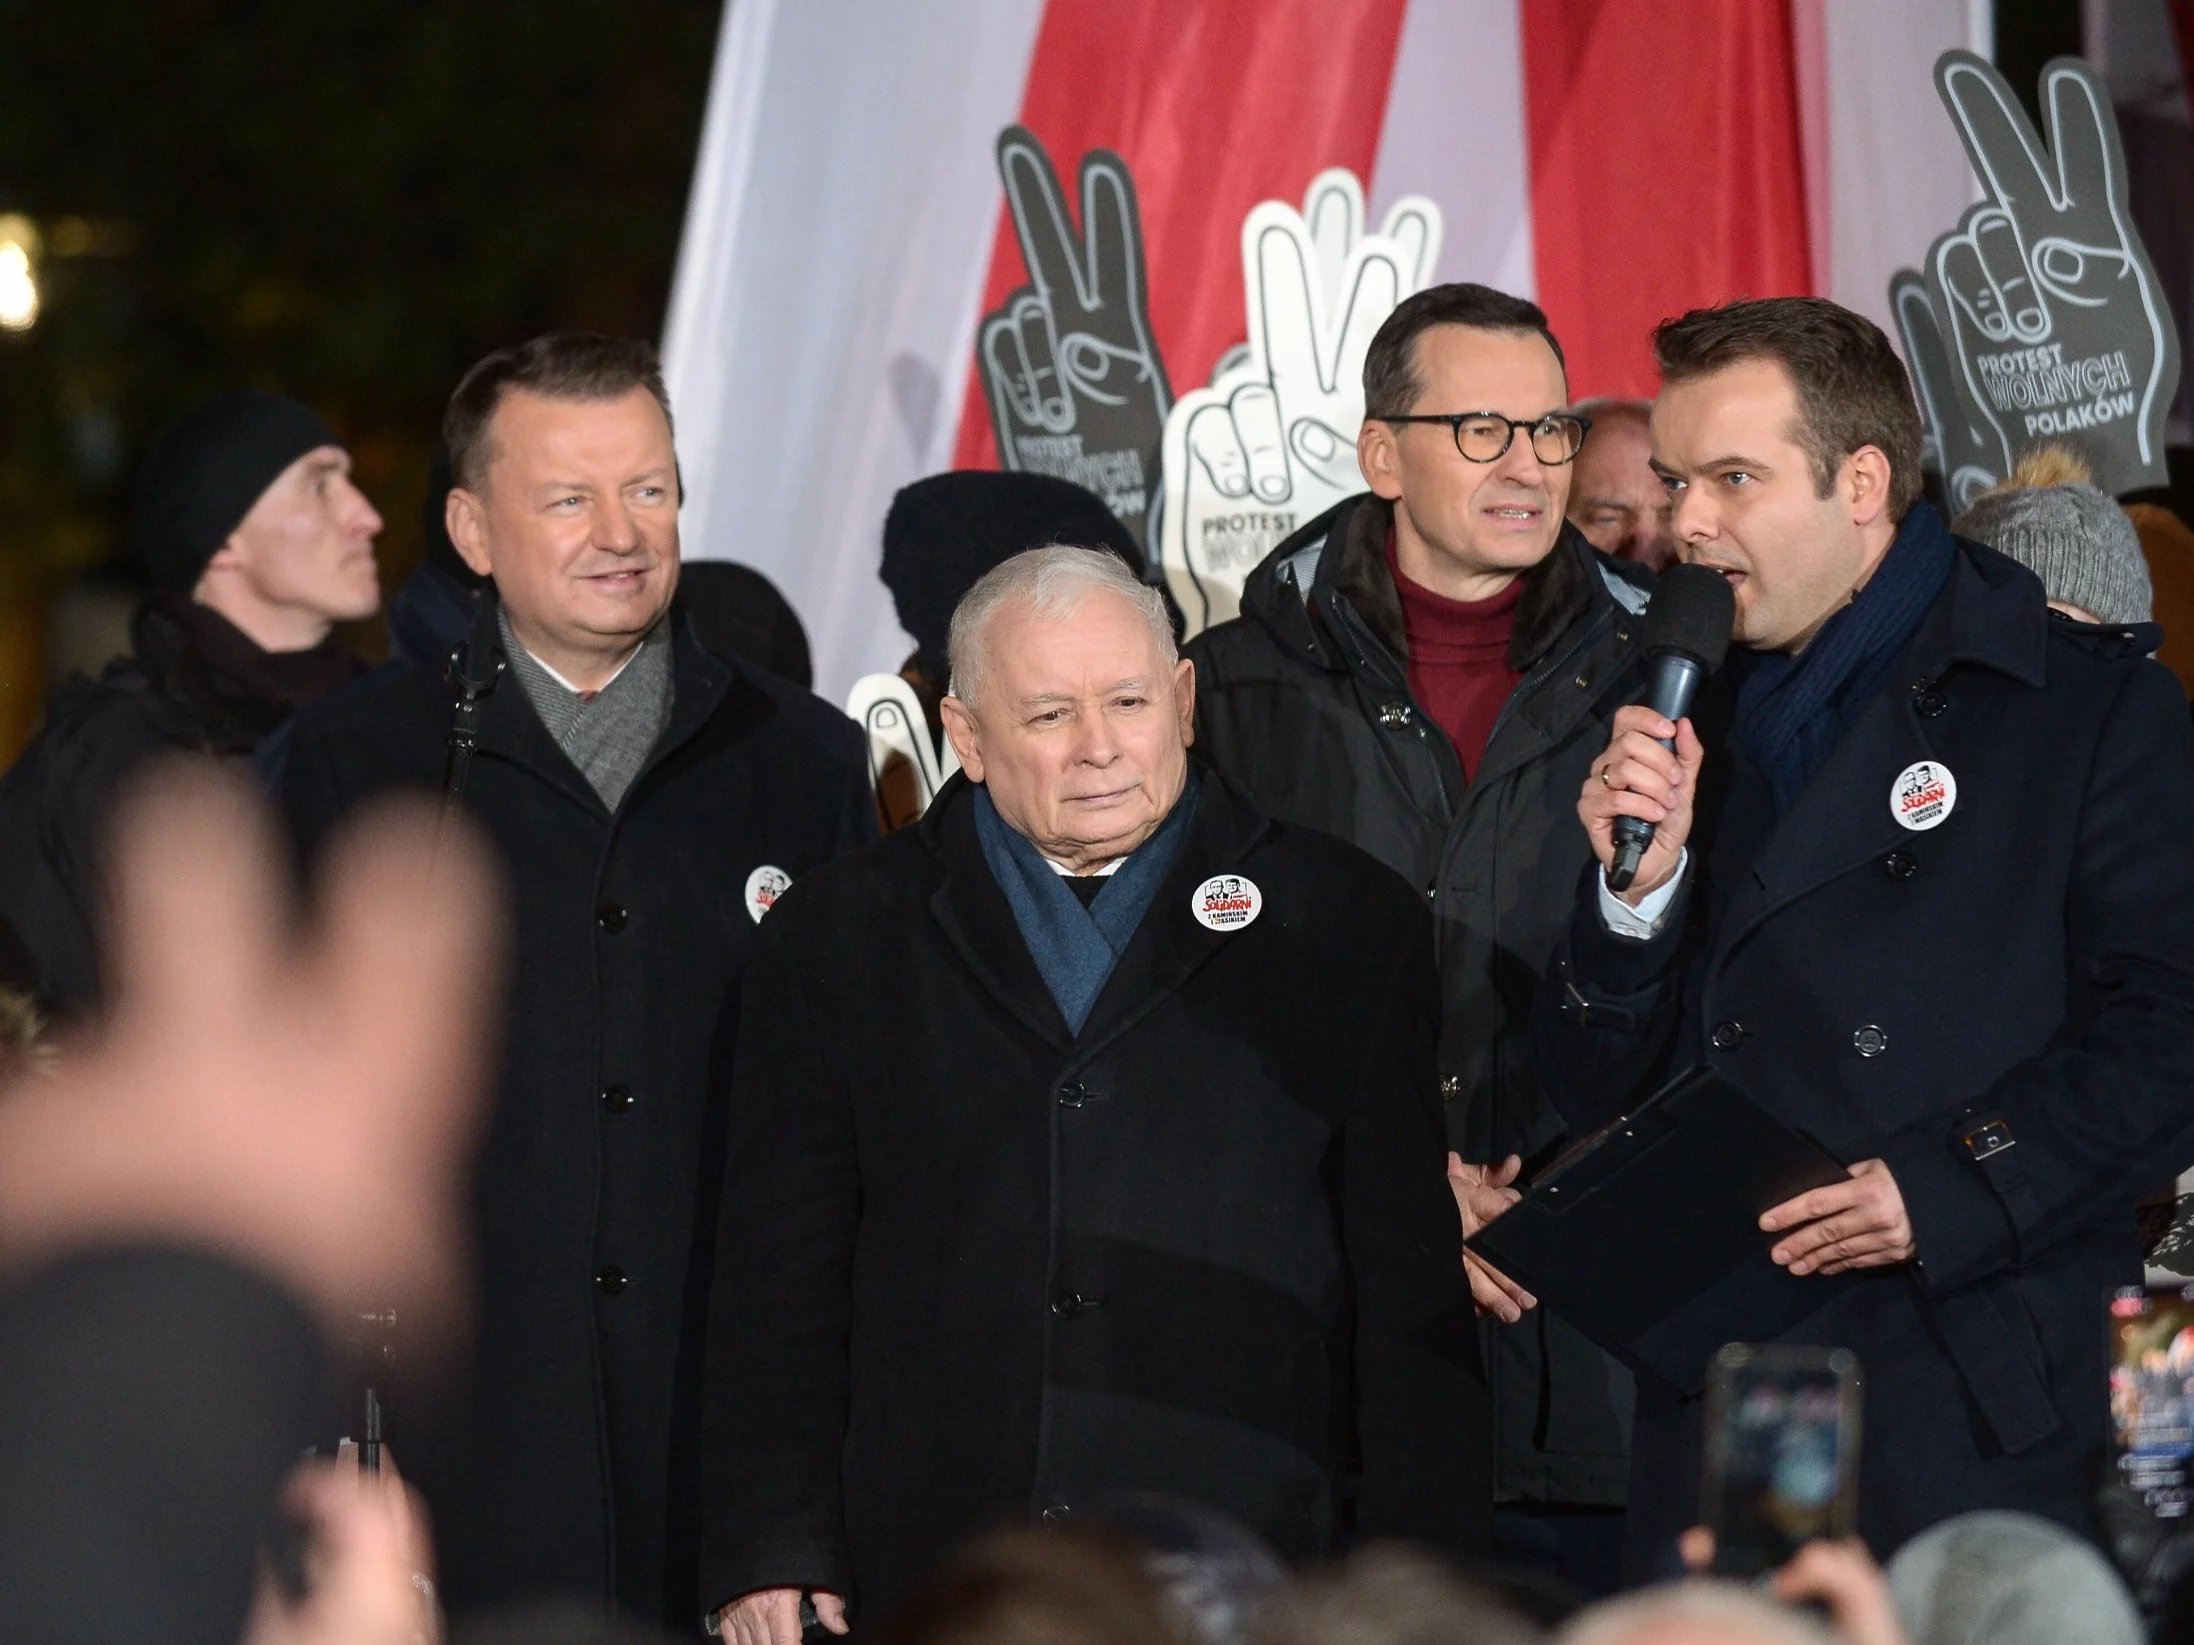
[
  {"x": 368, "y": 1564},
  {"x": 298, "y": 1097},
  {"x": 1840, "y": 1577}
]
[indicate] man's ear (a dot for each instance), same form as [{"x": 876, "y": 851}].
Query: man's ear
[
  {"x": 1866, "y": 480},
  {"x": 229, "y": 558},
  {"x": 960, "y": 730},
  {"x": 464, "y": 517},
  {"x": 1184, "y": 700},
  {"x": 1379, "y": 458}
]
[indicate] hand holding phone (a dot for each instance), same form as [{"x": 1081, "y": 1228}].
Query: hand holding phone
[{"x": 1782, "y": 1452}]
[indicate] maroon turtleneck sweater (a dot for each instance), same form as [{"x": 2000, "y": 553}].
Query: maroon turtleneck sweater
[{"x": 1458, "y": 658}]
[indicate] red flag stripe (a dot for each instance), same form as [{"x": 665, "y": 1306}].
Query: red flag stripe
[
  {"x": 1666, "y": 170},
  {"x": 1214, "y": 106}
]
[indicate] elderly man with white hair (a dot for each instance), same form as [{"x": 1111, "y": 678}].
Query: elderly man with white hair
[{"x": 1085, "y": 1138}]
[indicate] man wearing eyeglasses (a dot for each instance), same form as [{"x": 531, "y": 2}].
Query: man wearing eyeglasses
[{"x": 1428, "y": 671}]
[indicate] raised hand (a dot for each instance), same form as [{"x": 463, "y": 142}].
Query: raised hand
[
  {"x": 299, "y": 1097},
  {"x": 2056, "y": 325},
  {"x": 1271, "y": 443},
  {"x": 1076, "y": 385}
]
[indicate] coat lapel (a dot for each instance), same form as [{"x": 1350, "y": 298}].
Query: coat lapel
[
  {"x": 1842, "y": 820},
  {"x": 978, "y": 921},
  {"x": 1171, "y": 944},
  {"x": 1990, "y": 614}
]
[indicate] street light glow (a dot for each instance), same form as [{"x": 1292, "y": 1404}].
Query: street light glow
[{"x": 18, "y": 281}]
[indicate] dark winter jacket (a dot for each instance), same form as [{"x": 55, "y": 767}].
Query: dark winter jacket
[
  {"x": 596, "y": 1189},
  {"x": 974, "y": 1267},
  {"x": 1305, "y": 703},
  {"x": 196, "y": 684},
  {"x": 2000, "y": 1006}
]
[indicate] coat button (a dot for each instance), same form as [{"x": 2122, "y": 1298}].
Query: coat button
[
  {"x": 609, "y": 1281},
  {"x": 1451, "y": 1087},
  {"x": 610, "y": 917},
  {"x": 1074, "y": 1094},
  {"x": 1928, "y": 700},
  {"x": 617, "y": 1098},
  {"x": 1056, "y": 1513},
  {"x": 1066, "y": 1304},
  {"x": 1392, "y": 715},
  {"x": 1870, "y": 1041},
  {"x": 1727, "y": 1036},
  {"x": 1900, "y": 865},
  {"x": 1583, "y": 680}
]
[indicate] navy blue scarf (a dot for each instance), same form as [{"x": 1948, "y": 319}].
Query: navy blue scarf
[
  {"x": 1075, "y": 948},
  {"x": 1792, "y": 711}
]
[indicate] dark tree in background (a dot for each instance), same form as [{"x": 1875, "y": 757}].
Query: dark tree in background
[{"x": 346, "y": 200}]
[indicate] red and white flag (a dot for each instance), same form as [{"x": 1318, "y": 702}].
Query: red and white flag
[{"x": 1618, "y": 162}]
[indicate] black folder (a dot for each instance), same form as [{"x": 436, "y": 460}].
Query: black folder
[{"x": 1646, "y": 1235}]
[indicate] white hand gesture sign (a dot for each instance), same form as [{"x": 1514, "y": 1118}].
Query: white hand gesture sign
[
  {"x": 905, "y": 765},
  {"x": 1271, "y": 443},
  {"x": 1076, "y": 385},
  {"x": 2054, "y": 324}
]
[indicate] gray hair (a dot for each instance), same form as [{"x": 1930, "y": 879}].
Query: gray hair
[
  {"x": 1390, "y": 1596},
  {"x": 1734, "y": 1612},
  {"x": 1054, "y": 581}
]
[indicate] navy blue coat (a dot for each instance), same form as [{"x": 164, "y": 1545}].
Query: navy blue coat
[
  {"x": 575, "y": 1464},
  {"x": 2029, "y": 961}
]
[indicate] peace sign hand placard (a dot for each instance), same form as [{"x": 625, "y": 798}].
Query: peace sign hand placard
[
  {"x": 2053, "y": 324},
  {"x": 1074, "y": 378},
  {"x": 1271, "y": 444}
]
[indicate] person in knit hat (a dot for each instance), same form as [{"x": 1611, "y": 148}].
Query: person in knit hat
[
  {"x": 256, "y": 544},
  {"x": 2050, "y": 517},
  {"x": 944, "y": 532}
]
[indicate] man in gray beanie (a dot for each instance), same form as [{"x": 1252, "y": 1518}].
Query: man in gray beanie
[
  {"x": 256, "y": 544},
  {"x": 2051, "y": 519}
]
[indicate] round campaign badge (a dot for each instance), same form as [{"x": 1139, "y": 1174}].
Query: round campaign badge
[
  {"x": 764, "y": 886},
  {"x": 1226, "y": 902},
  {"x": 1923, "y": 795}
]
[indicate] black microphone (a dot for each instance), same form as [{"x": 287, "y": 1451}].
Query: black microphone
[{"x": 1686, "y": 638}]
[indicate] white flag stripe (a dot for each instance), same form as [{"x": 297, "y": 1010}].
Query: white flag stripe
[
  {"x": 828, "y": 289},
  {"x": 1454, "y": 132}
]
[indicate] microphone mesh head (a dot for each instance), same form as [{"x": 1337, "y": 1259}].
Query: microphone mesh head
[{"x": 1692, "y": 613}]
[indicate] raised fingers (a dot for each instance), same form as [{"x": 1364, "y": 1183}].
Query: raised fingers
[
  {"x": 1113, "y": 237},
  {"x": 1049, "y": 248},
  {"x": 1995, "y": 130},
  {"x": 199, "y": 904},
  {"x": 1277, "y": 262},
  {"x": 407, "y": 969},
  {"x": 2083, "y": 133}
]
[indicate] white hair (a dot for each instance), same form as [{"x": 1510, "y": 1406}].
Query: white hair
[
  {"x": 1732, "y": 1612},
  {"x": 1053, "y": 581}
]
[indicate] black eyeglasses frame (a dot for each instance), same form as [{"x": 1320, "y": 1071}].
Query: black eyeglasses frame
[{"x": 1456, "y": 419}]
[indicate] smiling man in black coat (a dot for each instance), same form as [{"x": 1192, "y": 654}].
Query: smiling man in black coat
[
  {"x": 1920, "y": 885},
  {"x": 1085, "y": 1138},
  {"x": 648, "y": 799}
]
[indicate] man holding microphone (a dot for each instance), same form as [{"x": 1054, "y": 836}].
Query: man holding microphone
[{"x": 1919, "y": 884}]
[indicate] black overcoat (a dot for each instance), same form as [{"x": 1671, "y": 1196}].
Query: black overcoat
[
  {"x": 2029, "y": 961},
  {"x": 1304, "y": 702},
  {"x": 597, "y": 1185},
  {"x": 974, "y": 1267}
]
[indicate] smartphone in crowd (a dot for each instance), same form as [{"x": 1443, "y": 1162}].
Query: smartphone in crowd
[
  {"x": 1782, "y": 1452},
  {"x": 2152, "y": 1395}
]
